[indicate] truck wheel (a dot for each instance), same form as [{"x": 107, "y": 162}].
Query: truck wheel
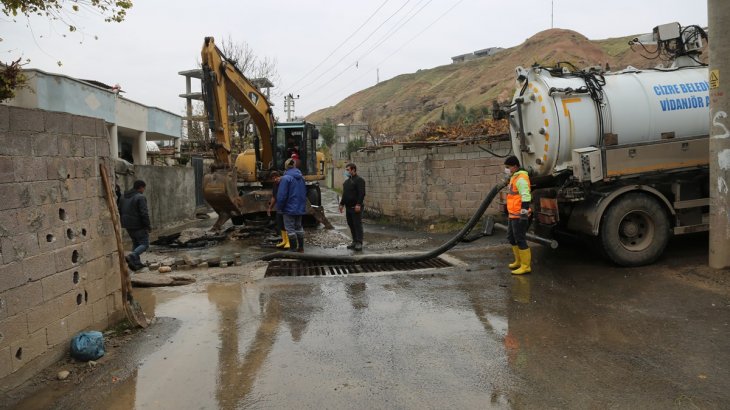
[{"x": 634, "y": 230}]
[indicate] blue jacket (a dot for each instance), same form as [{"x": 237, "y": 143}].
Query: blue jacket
[{"x": 291, "y": 199}]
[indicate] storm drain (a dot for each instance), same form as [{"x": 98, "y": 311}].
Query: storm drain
[{"x": 309, "y": 268}]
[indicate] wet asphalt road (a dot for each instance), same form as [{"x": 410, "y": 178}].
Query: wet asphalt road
[{"x": 577, "y": 333}]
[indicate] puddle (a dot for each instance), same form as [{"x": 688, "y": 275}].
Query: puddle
[{"x": 335, "y": 344}]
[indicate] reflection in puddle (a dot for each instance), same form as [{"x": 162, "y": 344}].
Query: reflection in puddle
[{"x": 316, "y": 343}]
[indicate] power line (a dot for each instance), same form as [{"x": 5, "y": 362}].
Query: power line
[
  {"x": 340, "y": 45},
  {"x": 395, "y": 29},
  {"x": 397, "y": 50},
  {"x": 403, "y": 21},
  {"x": 354, "y": 48}
]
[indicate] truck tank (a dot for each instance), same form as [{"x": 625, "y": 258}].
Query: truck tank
[{"x": 558, "y": 111}]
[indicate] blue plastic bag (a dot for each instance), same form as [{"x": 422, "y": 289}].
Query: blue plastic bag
[{"x": 87, "y": 346}]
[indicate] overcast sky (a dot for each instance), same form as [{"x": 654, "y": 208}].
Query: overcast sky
[{"x": 325, "y": 50}]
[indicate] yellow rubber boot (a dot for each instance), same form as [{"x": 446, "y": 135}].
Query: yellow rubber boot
[
  {"x": 284, "y": 241},
  {"x": 516, "y": 263},
  {"x": 525, "y": 259}
]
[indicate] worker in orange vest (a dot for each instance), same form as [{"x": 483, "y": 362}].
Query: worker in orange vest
[{"x": 518, "y": 209}]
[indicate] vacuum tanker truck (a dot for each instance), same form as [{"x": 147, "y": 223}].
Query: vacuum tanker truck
[{"x": 621, "y": 157}]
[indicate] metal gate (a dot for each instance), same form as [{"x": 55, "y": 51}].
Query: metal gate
[{"x": 197, "y": 163}]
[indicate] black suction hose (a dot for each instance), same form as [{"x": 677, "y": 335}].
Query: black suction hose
[{"x": 397, "y": 258}]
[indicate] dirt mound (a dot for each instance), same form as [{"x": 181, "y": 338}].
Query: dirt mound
[{"x": 402, "y": 106}]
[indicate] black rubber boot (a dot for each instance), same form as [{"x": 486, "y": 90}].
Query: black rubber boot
[
  {"x": 300, "y": 239},
  {"x": 293, "y": 239}
]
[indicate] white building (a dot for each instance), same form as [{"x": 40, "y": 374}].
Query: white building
[{"x": 130, "y": 124}]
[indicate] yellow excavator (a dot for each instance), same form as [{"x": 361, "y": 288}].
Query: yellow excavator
[{"x": 240, "y": 189}]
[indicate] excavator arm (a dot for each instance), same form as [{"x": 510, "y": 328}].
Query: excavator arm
[{"x": 222, "y": 79}]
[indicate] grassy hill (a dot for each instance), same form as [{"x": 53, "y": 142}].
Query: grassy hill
[{"x": 402, "y": 105}]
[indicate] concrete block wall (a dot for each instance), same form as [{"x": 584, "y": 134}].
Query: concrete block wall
[
  {"x": 59, "y": 269},
  {"x": 430, "y": 183},
  {"x": 170, "y": 192}
]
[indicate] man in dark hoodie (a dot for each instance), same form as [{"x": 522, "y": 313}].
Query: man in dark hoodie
[
  {"x": 291, "y": 201},
  {"x": 136, "y": 220}
]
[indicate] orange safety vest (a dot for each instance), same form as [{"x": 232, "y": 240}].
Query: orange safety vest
[{"x": 514, "y": 199}]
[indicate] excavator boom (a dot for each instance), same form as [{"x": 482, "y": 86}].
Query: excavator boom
[{"x": 240, "y": 188}]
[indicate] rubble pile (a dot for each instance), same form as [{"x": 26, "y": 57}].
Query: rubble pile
[{"x": 440, "y": 132}]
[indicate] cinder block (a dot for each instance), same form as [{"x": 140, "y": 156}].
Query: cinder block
[
  {"x": 102, "y": 147},
  {"x": 12, "y": 276},
  {"x": 97, "y": 268},
  {"x": 62, "y": 214},
  {"x": 57, "y": 332},
  {"x": 13, "y": 329},
  {"x": 40, "y": 266},
  {"x": 45, "y": 192},
  {"x": 56, "y": 168},
  {"x": 28, "y": 349},
  {"x": 69, "y": 257},
  {"x": 18, "y": 247},
  {"x": 96, "y": 248},
  {"x": 24, "y": 297},
  {"x": 44, "y": 145},
  {"x": 72, "y": 189},
  {"x": 58, "y": 123},
  {"x": 94, "y": 187},
  {"x": 9, "y": 222},
  {"x": 61, "y": 283},
  {"x": 86, "y": 167},
  {"x": 72, "y": 235},
  {"x": 51, "y": 239},
  {"x": 85, "y": 209},
  {"x": 3, "y": 308},
  {"x": 42, "y": 315},
  {"x": 95, "y": 290},
  {"x": 90, "y": 146},
  {"x": 99, "y": 312},
  {"x": 6, "y": 364},
  {"x": 79, "y": 320},
  {"x": 28, "y": 169},
  {"x": 70, "y": 302},
  {"x": 14, "y": 196},
  {"x": 7, "y": 173},
  {"x": 101, "y": 129},
  {"x": 14, "y": 143},
  {"x": 70, "y": 146},
  {"x": 4, "y": 118},
  {"x": 83, "y": 126},
  {"x": 23, "y": 119},
  {"x": 32, "y": 219},
  {"x": 113, "y": 281}
]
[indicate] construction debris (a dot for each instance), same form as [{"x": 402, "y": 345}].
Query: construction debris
[{"x": 440, "y": 132}]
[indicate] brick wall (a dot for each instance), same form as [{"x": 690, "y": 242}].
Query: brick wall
[
  {"x": 431, "y": 183},
  {"x": 59, "y": 270}
]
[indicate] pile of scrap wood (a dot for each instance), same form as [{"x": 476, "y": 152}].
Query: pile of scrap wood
[{"x": 440, "y": 132}]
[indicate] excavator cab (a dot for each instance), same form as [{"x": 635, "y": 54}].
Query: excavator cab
[{"x": 297, "y": 140}]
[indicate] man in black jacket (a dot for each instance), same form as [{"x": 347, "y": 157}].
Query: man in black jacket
[
  {"x": 136, "y": 220},
  {"x": 353, "y": 195}
]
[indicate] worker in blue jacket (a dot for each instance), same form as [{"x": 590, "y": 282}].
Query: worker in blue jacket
[{"x": 291, "y": 201}]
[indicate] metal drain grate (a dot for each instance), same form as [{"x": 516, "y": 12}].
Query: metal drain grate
[{"x": 307, "y": 268}]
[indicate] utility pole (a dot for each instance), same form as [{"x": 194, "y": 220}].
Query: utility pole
[
  {"x": 552, "y": 3},
  {"x": 718, "y": 17},
  {"x": 289, "y": 105},
  {"x": 377, "y": 76}
]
